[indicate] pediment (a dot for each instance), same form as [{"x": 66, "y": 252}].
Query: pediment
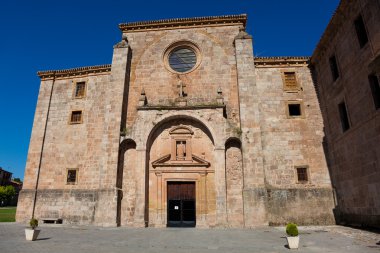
[
  {"x": 165, "y": 161},
  {"x": 181, "y": 130}
]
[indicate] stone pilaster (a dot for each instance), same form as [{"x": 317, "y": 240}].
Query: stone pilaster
[
  {"x": 254, "y": 194},
  {"x": 111, "y": 134}
]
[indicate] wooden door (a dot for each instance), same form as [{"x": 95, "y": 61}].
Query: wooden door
[{"x": 181, "y": 204}]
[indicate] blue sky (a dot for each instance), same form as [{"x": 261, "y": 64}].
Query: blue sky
[{"x": 42, "y": 35}]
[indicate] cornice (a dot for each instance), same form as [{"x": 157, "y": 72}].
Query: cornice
[
  {"x": 285, "y": 61},
  {"x": 184, "y": 23},
  {"x": 337, "y": 18},
  {"x": 50, "y": 74}
]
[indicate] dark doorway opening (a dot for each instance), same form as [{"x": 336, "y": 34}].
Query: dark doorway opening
[{"x": 181, "y": 204}]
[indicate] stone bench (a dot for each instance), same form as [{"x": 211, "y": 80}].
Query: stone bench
[{"x": 51, "y": 220}]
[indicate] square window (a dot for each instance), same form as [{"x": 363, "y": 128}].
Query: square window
[
  {"x": 290, "y": 81},
  {"x": 76, "y": 117},
  {"x": 302, "y": 174},
  {"x": 80, "y": 89},
  {"x": 294, "y": 110},
  {"x": 361, "y": 31},
  {"x": 72, "y": 176}
]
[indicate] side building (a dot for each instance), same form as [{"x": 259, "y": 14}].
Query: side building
[
  {"x": 5, "y": 177},
  {"x": 346, "y": 65},
  {"x": 184, "y": 128}
]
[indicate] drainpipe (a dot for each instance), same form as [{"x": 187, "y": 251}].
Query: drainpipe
[{"x": 42, "y": 148}]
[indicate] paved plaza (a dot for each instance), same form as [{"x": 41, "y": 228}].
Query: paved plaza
[{"x": 59, "y": 238}]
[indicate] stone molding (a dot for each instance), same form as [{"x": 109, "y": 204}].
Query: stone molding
[
  {"x": 50, "y": 74},
  {"x": 291, "y": 61},
  {"x": 175, "y": 107},
  {"x": 178, "y": 23}
]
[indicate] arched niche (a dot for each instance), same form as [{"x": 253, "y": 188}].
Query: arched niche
[
  {"x": 234, "y": 182},
  {"x": 126, "y": 183}
]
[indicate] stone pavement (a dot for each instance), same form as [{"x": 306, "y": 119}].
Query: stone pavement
[{"x": 59, "y": 238}]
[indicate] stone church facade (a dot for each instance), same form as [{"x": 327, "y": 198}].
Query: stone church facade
[{"x": 185, "y": 128}]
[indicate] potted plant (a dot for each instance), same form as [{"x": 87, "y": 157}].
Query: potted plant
[
  {"x": 293, "y": 238},
  {"x": 31, "y": 233}
]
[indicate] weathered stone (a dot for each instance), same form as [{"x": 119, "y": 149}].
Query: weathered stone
[{"x": 222, "y": 124}]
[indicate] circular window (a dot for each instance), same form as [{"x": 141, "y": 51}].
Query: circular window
[{"x": 182, "y": 59}]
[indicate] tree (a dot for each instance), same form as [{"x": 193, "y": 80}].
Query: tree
[
  {"x": 7, "y": 193},
  {"x": 17, "y": 180}
]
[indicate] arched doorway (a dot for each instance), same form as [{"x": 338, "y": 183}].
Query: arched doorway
[{"x": 180, "y": 184}]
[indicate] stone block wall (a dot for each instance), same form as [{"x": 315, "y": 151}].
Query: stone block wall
[
  {"x": 353, "y": 154},
  {"x": 217, "y": 68},
  {"x": 288, "y": 142},
  {"x": 301, "y": 206},
  {"x": 67, "y": 146},
  {"x": 291, "y": 142}
]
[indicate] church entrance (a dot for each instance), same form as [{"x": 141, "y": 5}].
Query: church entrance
[
  {"x": 181, "y": 204},
  {"x": 180, "y": 185}
]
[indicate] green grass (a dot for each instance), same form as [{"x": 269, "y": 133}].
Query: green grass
[{"x": 7, "y": 214}]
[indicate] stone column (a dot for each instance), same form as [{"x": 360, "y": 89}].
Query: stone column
[
  {"x": 220, "y": 185},
  {"x": 254, "y": 192}
]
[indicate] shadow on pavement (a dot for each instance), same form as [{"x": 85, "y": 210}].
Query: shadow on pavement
[{"x": 42, "y": 239}]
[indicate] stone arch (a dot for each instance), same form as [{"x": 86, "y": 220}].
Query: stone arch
[
  {"x": 170, "y": 124},
  {"x": 182, "y": 115},
  {"x": 234, "y": 182},
  {"x": 125, "y": 177}
]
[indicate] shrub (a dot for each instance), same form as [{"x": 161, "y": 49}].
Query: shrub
[
  {"x": 7, "y": 193},
  {"x": 33, "y": 223},
  {"x": 291, "y": 229}
]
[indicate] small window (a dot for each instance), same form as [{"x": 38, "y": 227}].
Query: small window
[
  {"x": 294, "y": 110},
  {"x": 80, "y": 89},
  {"x": 375, "y": 90},
  {"x": 72, "y": 176},
  {"x": 76, "y": 117},
  {"x": 361, "y": 31},
  {"x": 302, "y": 175},
  {"x": 334, "y": 68},
  {"x": 290, "y": 81},
  {"x": 344, "y": 116}
]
